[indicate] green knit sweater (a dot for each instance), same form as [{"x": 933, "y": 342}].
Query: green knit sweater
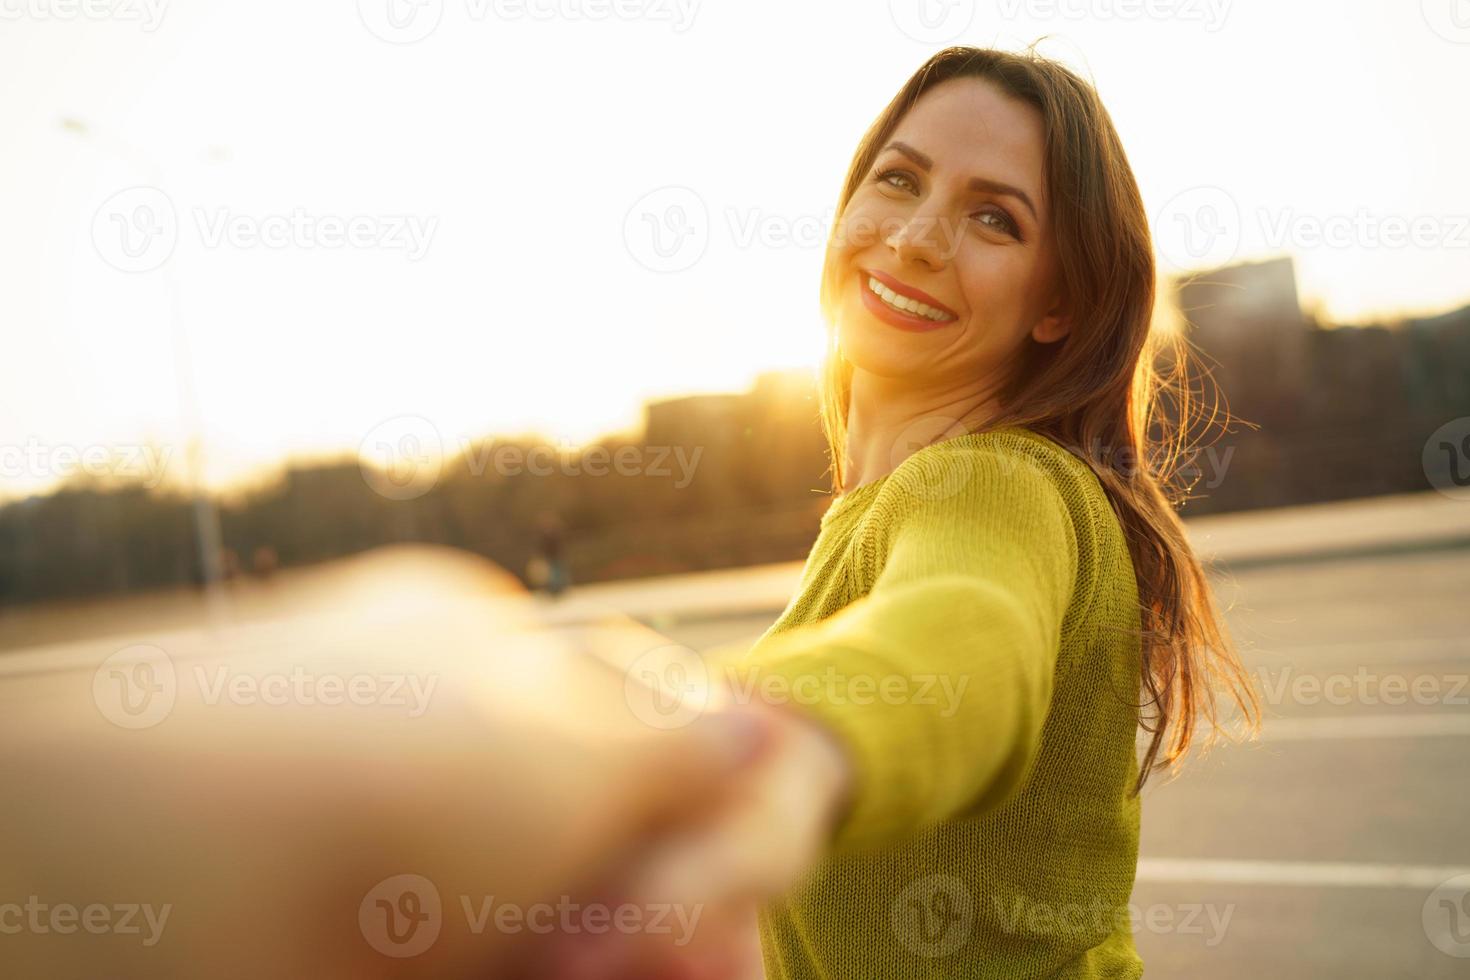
[{"x": 967, "y": 626}]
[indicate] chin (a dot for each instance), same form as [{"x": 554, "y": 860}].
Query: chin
[{"x": 875, "y": 347}]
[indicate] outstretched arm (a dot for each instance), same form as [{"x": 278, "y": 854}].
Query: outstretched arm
[{"x": 938, "y": 681}]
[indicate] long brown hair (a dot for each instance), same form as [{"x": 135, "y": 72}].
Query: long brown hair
[{"x": 1114, "y": 391}]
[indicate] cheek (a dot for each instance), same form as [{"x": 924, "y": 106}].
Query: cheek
[
  {"x": 998, "y": 282},
  {"x": 862, "y": 225}
]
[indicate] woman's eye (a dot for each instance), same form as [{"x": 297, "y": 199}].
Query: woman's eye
[
  {"x": 883, "y": 175},
  {"x": 994, "y": 218},
  {"x": 1000, "y": 221}
]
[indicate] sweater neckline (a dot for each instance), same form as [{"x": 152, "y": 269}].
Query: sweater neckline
[{"x": 842, "y": 500}]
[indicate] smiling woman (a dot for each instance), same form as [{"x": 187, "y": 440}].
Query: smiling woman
[
  {"x": 950, "y": 217},
  {"x": 990, "y": 385}
]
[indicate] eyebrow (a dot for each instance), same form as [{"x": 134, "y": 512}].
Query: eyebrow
[{"x": 984, "y": 184}]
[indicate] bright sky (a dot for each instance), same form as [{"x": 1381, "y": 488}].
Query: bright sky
[{"x": 492, "y": 180}]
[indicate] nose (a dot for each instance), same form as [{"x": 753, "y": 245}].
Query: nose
[{"x": 921, "y": 238}]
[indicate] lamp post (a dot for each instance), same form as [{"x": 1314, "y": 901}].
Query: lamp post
[{"x": 206, "y": 516}]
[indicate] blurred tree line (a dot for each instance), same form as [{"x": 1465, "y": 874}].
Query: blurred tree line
[
  {"x": 726, "y": 480},
  {"x": 749, "y": 490}
]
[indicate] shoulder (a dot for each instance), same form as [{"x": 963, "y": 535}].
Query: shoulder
[
  {"x": 1008, "y": 465},
  {"x": 1013, "y": 486}
]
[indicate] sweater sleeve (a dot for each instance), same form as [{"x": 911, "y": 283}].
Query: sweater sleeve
[{"x": 939, "y": 679}]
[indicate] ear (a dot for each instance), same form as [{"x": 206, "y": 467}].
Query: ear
[{"x": 1052, "y": 327}]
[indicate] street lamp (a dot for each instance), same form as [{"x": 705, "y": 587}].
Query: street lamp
[{"x": 206, "y": 516}]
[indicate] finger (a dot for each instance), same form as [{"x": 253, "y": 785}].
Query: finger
[
  {"x": 753, "y": 849},
  {"x": 678, "y": 778}
]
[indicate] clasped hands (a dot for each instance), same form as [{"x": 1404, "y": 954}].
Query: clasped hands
[
  {"x": 743, "y": 828},
  {"x": 370, "y": 842}
]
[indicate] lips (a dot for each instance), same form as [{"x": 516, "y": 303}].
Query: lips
[{"x": 907, "y": 291}]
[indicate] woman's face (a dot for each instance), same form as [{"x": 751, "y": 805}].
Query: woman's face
[{"x": 952, "y": 214}]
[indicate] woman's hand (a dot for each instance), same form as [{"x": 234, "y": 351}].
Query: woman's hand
[
  {"x": 330, "y": 839},
  {"x": 768, "y": 830},
  {"x": 315, "y": 836},
  {"x": 777, "y": 824}
]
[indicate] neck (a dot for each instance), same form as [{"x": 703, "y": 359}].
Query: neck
[{"x": 889, "y": 420}]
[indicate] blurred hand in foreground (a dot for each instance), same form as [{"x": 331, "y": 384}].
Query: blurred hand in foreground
[
  {"x": 227, "y": 834},
  {"x": 767, "y": 828}
]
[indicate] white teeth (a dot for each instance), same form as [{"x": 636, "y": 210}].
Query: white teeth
[{"x": 904, "y": 303}]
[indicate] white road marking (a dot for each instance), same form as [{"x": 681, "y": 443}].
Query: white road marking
[
  {"x": 1345, "y": 726},
  {"x": 1366, "y": 726},
  {"x": 1309, "y": 873}
]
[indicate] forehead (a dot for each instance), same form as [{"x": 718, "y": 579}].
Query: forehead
[{"x": 969, "y": 128}]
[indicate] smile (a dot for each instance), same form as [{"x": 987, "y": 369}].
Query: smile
[
  {"x": 905, "y": 304},
  {"x": 895, "y": 304}
]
